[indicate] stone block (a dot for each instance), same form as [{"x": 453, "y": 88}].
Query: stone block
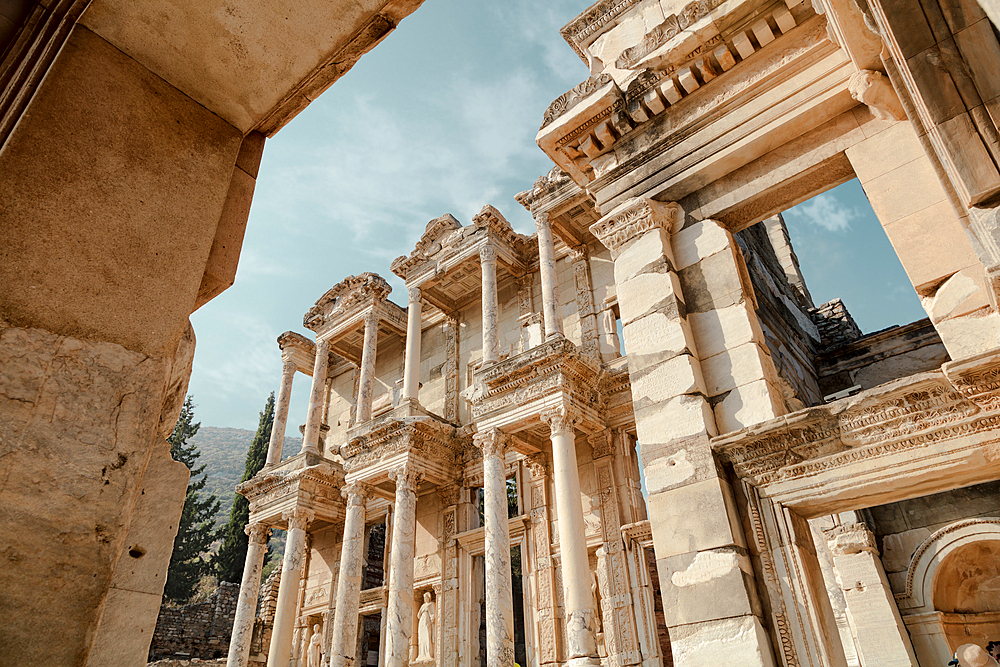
[
  {"x": 655, "y": 338},
  {"x": 905, "y": 190},
  {"x": 898, "y": 548},
  {"x": 716, "y": 331},
  {"x": 925, "y": 262},
  {"x": 887, "y": 150},
  {"x": 705, "y": 586},
  {"x": 784, "y": 19},
  {"x": 698, "y": 241},
  {"x": 646, "y": 292},
  {"x": 733, "y": 368},
  {"x": 970, "y": 335},
  {"x": 126, "y": 628},
  {"x": 746, "y": 405},
  {"x": 960, "y": 294},
  {"x": 725, "y": 58},
  {"x": 670, "y": 91},
  {"x": 681, "y": 417},
  {"x": 740, "y": 640},
  {"x": 688, "y": 82},
  {"x": 743, "y": 45},
  {"x": 762, "y": 31},
  {"x": 712, "y": 283},
  {"x": 640, "y": 253},
  {"x": 666, "y": 465},
  {"x": 670, "y": 378},
  {"x": 692, "y": 518}
]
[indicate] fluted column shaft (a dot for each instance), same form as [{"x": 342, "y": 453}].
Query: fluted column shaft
[
  {"x": 280, "y": 650},
  {"x": 491, "y": 334},
  {"x": 399, "y": 613},
  {"x": 499, "y": 603},
  {"x": 246, "y": 605},
  {"x": 366, "y": 385},
  {"x": 550, "y": 282},
  {"x": 281, "y": 413},
  {"x": 310, "y": 440},
  {"x": 578, "y": 600},
  {"x": 411, "y": 370},
  {"x": 345, "y": 625}
]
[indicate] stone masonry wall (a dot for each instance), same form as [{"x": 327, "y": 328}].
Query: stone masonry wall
[{"x": 199, "y": 630}]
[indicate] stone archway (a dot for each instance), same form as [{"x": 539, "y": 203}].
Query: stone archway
[{"x": 952, "y": 592}]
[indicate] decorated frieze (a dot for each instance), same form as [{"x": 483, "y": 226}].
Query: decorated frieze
[
  {"x": 555, "y": 367},
  {"x": 375, "y": 449},
  {"x": 343, "y": 306},
  {"x": 312, "y": 488},
  {"x": 901, "y": 416}
]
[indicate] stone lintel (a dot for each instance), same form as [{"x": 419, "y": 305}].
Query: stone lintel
[
  {"x": 295, "y": 484},
  {"x": 376, "y": 448},
  {"x": 474, "y": 541},
  {"x": 879, "y": 445}
]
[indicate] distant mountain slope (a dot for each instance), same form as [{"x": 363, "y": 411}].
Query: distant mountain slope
[{"x": 224, "y": 453}]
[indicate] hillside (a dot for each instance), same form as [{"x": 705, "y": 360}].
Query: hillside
[{"x": 224, "y": 451}]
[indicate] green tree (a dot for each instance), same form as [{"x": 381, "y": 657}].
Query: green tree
[
  {"x": 228, "y": 561},
  {"x": 196, "y": 530}
]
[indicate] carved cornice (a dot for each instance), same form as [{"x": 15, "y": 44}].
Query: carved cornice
[
  {"x": 431, "y": 440},
  {"x": 345, "y": 296},
  {"x": 267, "y": 487},
  {"x": 666, "y": 31},
  {"x": 897, "y": 417},
  {"x": 293, "y": 339},
  {"x": 640, "y": 531},
  {"x": 591, "y": 23},
  {"x": 634, "y": 218},
  {"x": 544, "y": 185},
  {"x": 574, "y": 96}
]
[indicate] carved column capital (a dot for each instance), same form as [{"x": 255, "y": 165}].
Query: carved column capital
[
  {"x": 487, "y": 254},
  {"x": 288, "y": 367},
  {"x": 356, "y": 493},
  {"x": 298, "y": 518},
  {"x": 257, "y": 532},
  {"x": 406, "y": 477},
  {"x": 541, "y": 219},
  {"x": 634, "y": 218},
  {"x": 371, "y": 318},
  {"x": 602, "y": 443},
  {"x": 492, "y": 442},
  {"x": 561, "y": 419},
  {"x": 414, "y": 294},
  {"x": 322, "y": 344},
  {"x": 850, "y": 538}
]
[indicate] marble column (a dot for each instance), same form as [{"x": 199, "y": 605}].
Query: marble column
[
  {"x": 366, "y": 386},
  {"x": 491, "y": 334},
  {"x": 246, "y": 605},
  {"x": 310, "y": 439},
  {"x": 499, "y": 603},
  {"x": 550, "y": 281},
  {"x": 280, "y": 650},
  {"x": 281, "y": 413},
  {"x": 411, "y": 363},
  {"x": 345, "y": 629},
  {"x": 399, "y": 614},
  {"x": 578, "y": 600}
]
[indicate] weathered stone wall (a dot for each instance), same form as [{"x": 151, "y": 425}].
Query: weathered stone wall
[
  {"x": 200, "y": 630},
  {"x": 835, "y": 324}
]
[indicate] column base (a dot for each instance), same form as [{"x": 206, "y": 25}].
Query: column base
[{"x": 583, "y": 662}]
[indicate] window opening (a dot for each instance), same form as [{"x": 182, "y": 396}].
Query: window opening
[{"x": 374, "y": 572}]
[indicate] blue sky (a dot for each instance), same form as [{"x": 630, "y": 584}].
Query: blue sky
[{"x": 441, "y": 117}]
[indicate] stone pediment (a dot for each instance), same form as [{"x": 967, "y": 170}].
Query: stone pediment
[{"x": 349, "y": 295}]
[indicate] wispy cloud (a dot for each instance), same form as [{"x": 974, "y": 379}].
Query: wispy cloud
[{"x": 827, "y": 212}]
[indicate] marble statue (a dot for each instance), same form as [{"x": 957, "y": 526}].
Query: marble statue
[
  {"x": 315, "y": 652},
  {"x": 425, "y": 630}
]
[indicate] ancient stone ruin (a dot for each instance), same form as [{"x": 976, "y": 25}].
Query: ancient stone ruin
[{"x": 631, "y": 438}]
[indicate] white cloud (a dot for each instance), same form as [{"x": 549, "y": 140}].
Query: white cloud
[{"x": 827, "y": 212}]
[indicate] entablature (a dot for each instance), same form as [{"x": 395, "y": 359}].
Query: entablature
[
  {"x": 513, "y": 394},
  {"x": 292, "y": 485},
  {"x": 879, "y": 445},
  {"x": 570, "y": 208},
  {"x": 302, "y": 352}
]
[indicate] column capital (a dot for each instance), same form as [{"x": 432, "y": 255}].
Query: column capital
[
  {"x": 634, "y": 218},
  {"x": 487, "y": 254},
  {"x": 298, "y": 518},
  {"x": 406, "y": 477},
  {"x": 322, "y": 344},
  {"x": 492, "y": 442},
  {"x": 850, "y": 538},
  {"x": 288, "y": 366},
  {"x": 562, "y": 419},
  {"x": 414, "y": 294},
  {"x": 371, "y": 318},
  {"x": 538, "y": 466},
  {"x": 541, "y": 218},
  {"x": 257, "y": 532},
  {"x": 356, "y": 493}
]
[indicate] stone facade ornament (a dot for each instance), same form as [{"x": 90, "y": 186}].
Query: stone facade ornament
[
  {"x": 874, "y": 90},
  {"x": 850, "y": 538},
  {"x": 425, "y": 631},
  {"x": 634, "y": 218}
]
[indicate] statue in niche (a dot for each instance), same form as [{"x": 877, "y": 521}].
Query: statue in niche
[
  {"x": 314, "y": 654},
  {"x": 425, "y": 630}
]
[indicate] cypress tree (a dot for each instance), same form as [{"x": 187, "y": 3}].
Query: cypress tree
[
  {"x": 229, "y": 560},
  {"x": 196, "y": 529}
]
